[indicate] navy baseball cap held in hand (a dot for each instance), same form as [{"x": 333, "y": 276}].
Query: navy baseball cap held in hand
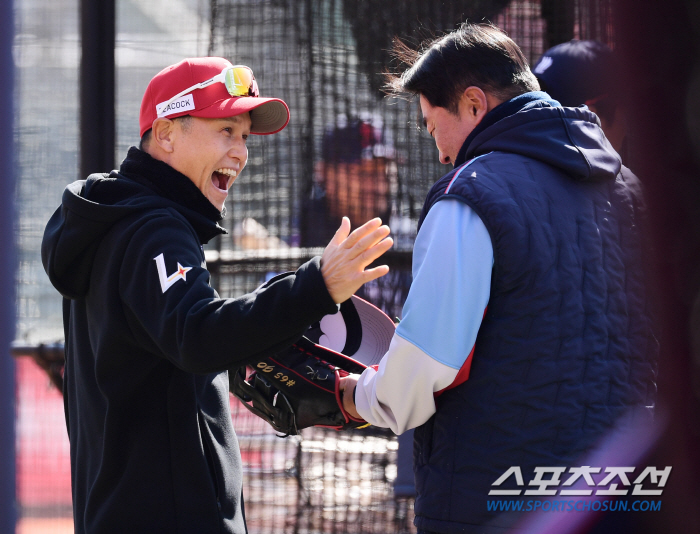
[
  {"x": 577, "y": 72},
  {"x": 210, "y": 87}
]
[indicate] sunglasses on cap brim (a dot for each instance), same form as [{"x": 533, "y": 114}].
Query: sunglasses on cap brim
[{"x": 238, "y": 79}]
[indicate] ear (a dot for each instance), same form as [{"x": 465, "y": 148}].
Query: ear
[
  {"x": 163, "y": 134},
  {"x": 474, "y": 104}
]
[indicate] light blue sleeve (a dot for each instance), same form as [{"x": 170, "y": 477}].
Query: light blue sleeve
[{"x": 452, "y": 263}]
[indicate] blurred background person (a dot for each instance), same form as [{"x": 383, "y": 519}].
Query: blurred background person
[
  {"x": 249, "y": 234},
  {"x": 356, "y": 177},
  {"x": 585, "y": 72}
]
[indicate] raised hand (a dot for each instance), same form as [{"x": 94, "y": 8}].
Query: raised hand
[{"x": 344, "y": 260}]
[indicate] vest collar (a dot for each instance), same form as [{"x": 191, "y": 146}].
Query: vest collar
[{"x": 503, "y": 110}]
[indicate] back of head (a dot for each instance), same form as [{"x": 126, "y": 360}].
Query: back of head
[
  {"x": 577, "y": 72},
  {"x": 479, "y": 55}
]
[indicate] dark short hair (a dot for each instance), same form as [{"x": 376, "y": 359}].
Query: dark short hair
[
  {"x": 146, "y": 137},
  {"x": 479, "y": 55}
]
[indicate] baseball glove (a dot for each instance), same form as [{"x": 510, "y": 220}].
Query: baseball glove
[{"x": 298, "y": 388}]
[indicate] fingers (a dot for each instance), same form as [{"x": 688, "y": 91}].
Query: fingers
[
  {"x": 375, "y": 248},
  {"x": 343, "y": 262},
  {"x": 372, "y": 237},
  {"x": 374, "y": 273},
  {"x": 368, "y": 243},
  {"x": 363, "y": 231},
  {"x": 342, "y": 232},
  {"x": 364, "y": 236}
]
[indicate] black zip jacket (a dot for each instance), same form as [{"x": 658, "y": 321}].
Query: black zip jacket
[{"x": 148, "y": 342}]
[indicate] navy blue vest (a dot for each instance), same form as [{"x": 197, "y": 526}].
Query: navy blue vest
[{"x": 565, "y": 347}]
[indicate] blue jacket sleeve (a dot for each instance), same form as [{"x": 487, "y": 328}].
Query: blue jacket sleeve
[{"x": 452, "y": 262}]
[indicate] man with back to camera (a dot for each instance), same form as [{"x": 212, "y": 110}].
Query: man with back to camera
[
  {"x": 526, "y": 333},
  {"x": 148, "y": 341}
]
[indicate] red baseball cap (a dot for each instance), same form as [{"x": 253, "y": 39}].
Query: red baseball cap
[{"x": 268, "y": 115}]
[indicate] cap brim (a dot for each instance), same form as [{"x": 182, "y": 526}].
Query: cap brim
[
  {"x": 361, "y": 331},
  {"x": 377, "y": 331},
  {"x": 268, "y": 115}
]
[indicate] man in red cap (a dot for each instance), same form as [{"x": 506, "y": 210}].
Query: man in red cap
[{"x": 148, "y": 341}]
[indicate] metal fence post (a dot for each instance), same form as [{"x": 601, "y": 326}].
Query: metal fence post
[
  {"x": 8, "y": 511},
  {"x": 97, "y": 86}
]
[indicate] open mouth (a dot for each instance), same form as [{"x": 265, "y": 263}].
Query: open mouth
[{"x": 222, "y": 177}]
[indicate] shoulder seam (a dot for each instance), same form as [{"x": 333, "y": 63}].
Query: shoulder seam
[{"x": 464, "y": 166}]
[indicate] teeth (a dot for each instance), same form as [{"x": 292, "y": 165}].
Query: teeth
[{"x": 227, "y": 172}]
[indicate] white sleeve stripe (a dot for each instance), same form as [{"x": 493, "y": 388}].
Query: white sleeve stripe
[
  {"x": 399, "y": 395},
  {"x": 425, "y": 351}
]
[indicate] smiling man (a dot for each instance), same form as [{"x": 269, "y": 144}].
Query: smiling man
[
  {"x": 210, "y": 152},
  {"x": 148, "y": 341}
]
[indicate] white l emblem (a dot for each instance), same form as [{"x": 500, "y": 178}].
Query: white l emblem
[{"x": 167, "y": 281}]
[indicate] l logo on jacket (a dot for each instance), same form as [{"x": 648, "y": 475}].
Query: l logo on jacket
[{"x": 166, "y": 281}]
